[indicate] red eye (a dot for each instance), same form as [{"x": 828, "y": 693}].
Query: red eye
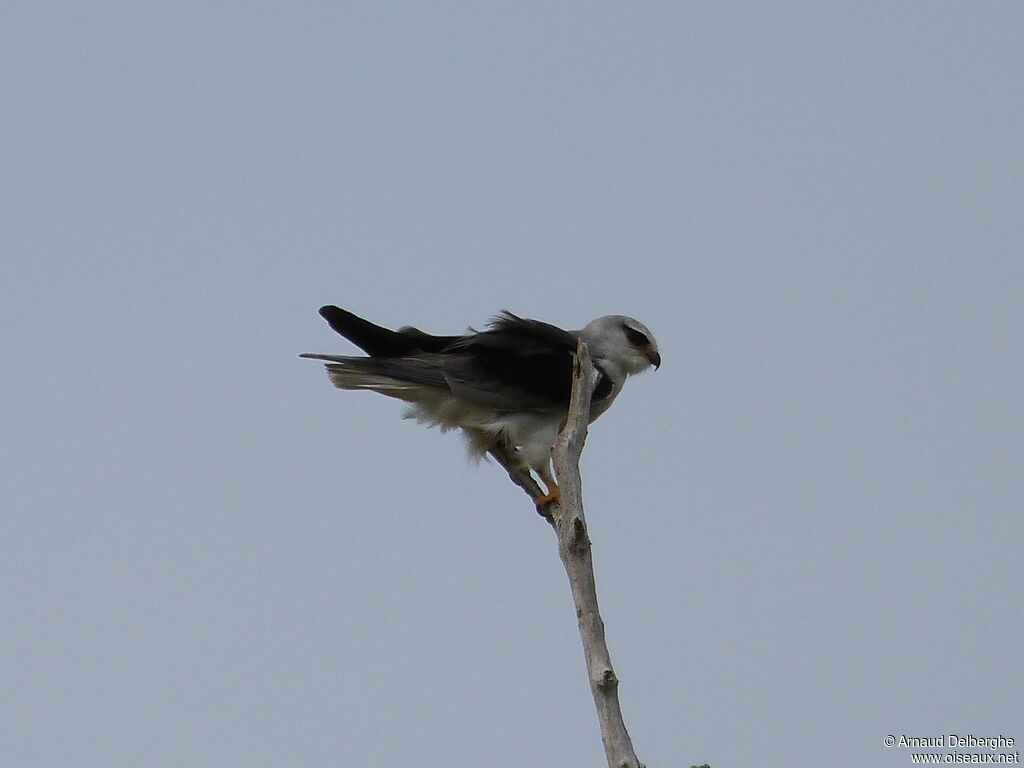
[{"x": 636, "y": 338}]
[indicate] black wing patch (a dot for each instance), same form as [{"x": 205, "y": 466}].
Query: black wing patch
[
  {"x": 381, "y": 342},
  {"x": 530, "y": 355}
]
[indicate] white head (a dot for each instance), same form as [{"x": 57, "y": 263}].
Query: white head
[{"x": 623, "y": 341}]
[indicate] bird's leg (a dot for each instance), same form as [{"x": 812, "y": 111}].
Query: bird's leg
[
  {"x": 554, "y": 492},
  {"x": 505, "y": 455},
  {"x": 519, "y": 473}
]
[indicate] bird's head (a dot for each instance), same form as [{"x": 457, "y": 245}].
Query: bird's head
[{"x": 623, "y": 341}]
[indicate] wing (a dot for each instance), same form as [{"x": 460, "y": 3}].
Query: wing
[
  {"x": 381, "y": 342},
  {"x": 515, "y": 365}
]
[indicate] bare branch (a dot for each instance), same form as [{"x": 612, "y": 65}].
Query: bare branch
[
  {"x": 574, "y": 549},
  {"x": 566, "y": 516}
]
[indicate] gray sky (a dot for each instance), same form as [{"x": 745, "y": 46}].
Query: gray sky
[{"x": 807, "y": 525}]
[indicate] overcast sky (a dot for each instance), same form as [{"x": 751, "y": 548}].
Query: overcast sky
[{"x": 807, "y": 525}]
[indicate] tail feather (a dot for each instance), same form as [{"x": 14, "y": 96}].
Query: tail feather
[
  {"x": 331, "y": 358},
  {"x": 381, "y": 374},
  {"x": 344, "y": 377}
]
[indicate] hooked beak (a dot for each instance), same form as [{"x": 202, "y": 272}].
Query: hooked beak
[{"x": 655, "y": 359}]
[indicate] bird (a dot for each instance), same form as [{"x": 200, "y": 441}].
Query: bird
[{"x": 506, "y": 388}]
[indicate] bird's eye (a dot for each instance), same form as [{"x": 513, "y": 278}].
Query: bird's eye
[{"x": 636, "y": 338}]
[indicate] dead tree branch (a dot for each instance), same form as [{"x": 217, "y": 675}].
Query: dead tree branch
[
  {"x": 566, "y": 516},
  {"x": 574, "y": 549}
]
